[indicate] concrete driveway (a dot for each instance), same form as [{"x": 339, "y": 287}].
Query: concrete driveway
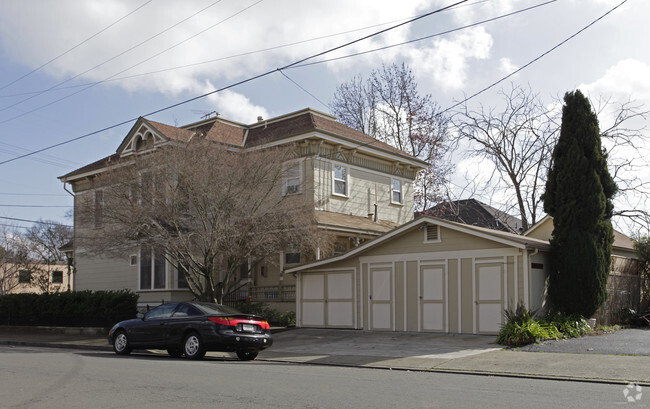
[
  {"x": 384, "y": 344},
  {"x": 633, "y": 341}
]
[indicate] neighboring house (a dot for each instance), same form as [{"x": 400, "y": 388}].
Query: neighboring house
[
  {"x": 624, "y": 285},
  {"x": 471, "y": 211},
  {"x": 36, "y": 278},
  {"x": 426, "y": 275},
  {"x": 361, "y": 189}
]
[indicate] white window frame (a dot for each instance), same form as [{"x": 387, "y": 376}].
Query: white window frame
[
  {"x": 152, "y": 272},
  {"x": 290, "y": 188},
  {"x": 346, "y": 181},
  {"x": 400, "y": 191}
]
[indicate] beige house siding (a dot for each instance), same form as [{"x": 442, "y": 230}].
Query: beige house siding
[
  {"x": 459, "y": 284},
  {"x": 365, "y": 189}
]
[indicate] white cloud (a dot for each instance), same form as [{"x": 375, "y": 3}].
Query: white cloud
[
  {"x": 449, "y": 59},
  {"x": 506, "y": 66},
  {"x": 226, "y": 33},
  {"x": 628, "y": 77},
  {"x": 235, "y": 106}
]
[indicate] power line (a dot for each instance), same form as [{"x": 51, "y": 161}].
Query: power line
[
  {"x": 299, "y": 86},
  {"x": 35, "y": 221},
  {"x": 22, "y": 206},
  {"x": 249, "y": 79},
  {"x": 75, "y": 47},
  {"x": 99, "y": 65},
  {"x": 535, "y": 59},
  {"x": 426, "y": 37}
]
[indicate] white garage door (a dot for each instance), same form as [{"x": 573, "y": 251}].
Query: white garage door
[{"x": 327, "y": 299}]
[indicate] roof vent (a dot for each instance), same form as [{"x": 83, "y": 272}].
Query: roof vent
[{"x": 260, "y": 118}]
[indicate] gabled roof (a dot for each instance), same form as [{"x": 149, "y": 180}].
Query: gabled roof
[
  {"x": 621, "y": 241},
  {"x": 505, "y": 238},
  {"x": 476, "y": 213},
  {"x": 303, "y": 124}
]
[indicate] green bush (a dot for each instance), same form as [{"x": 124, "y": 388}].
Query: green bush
[
  {"x": 286, "y": 319},
  {"x": 69, "y": 309},
  {"x": 521, "y": 328},
  {"x": 570, "y": 326}
]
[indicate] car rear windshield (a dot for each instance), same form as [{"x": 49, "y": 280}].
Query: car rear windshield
[{"x": 216, "y": 309}]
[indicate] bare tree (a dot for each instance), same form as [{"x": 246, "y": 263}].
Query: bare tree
[
  {"x": 12, "y": 260},
  {"x": 389, "y": 108},
  {"x": 518, "y": 139},
  {"x": 208, "y": 210},
  {"x": 42, "y": 242}
]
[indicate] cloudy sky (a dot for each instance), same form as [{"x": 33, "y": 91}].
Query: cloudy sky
[{"x": 71, "y": 71}]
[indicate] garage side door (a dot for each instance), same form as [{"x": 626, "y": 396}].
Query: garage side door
[
  {"x": 432, "y": 298},
  {"x": 489, "y": 298}
]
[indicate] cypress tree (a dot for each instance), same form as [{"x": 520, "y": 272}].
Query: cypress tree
[{"x": 578, "y": 196}]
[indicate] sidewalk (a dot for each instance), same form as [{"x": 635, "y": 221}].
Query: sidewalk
[{"x": 470, "y": 354}]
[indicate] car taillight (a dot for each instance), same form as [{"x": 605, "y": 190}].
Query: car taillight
[
  {"x": 261, "y": 323},
  {"x": 221, "y": 320}
]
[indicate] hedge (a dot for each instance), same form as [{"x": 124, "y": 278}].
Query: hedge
[{"x": 68, "y": 309}]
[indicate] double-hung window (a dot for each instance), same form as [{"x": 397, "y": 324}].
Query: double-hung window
[
  {"x": 292, "y": 179},
  {"x": 340, "y": 180},
  {"x": 396, "y": 192},
  {"x": 152, "y": 269}
]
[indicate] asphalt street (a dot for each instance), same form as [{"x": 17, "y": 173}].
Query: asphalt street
[{"x": 38, "y": 378}]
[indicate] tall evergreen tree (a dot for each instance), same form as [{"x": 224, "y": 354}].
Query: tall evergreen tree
[{"x": 578, "y": 196}]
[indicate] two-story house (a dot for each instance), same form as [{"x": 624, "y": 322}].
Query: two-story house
[{"x": 361, "y": 189}]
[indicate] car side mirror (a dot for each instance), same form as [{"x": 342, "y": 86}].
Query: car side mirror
[{"x": 140, "y": 316}]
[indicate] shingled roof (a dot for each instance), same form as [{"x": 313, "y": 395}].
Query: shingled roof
[{"x": 221, "y": 130}]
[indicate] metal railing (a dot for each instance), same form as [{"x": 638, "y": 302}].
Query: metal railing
[{"x": 269, "y": 293}]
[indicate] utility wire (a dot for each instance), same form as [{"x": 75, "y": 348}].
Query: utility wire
[
  {"x": 35, "y": 221},
  {"x": 244, "y": 54},
  {"x": 299, "y": 86},
  {"x": 426, "y": 37},
  {"x": 535, "y": 59},
  {"x": 133, "y": 66},
  {"x": 102, "y": 63},
  {"x": 73, "y": 48},
  {"x": 264, "y": 74},
  {"x": 10, "y": 205}
]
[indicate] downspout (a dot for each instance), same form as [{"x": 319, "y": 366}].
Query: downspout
[
  {"x": 70, "y": 260},
  {"x": 528, "y": 265}
]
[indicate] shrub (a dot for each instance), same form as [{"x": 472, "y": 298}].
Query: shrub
[
  {"x": 570, "y": 326},
  {"x": 286, "y": 319},
  {"x": 521, "y": 328},
  {"x": 69, "y": 309}
]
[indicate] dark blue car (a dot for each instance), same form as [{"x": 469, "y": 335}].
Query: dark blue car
[{"x": 191, "y": 329}]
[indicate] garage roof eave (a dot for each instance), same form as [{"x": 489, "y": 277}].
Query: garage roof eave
[{"x": 509, "y": 239}]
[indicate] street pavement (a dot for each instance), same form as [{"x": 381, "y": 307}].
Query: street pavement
[{"x": 605, "y": 358}]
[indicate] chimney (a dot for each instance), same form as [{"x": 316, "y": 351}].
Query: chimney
[{"x": 260, "y": 118}]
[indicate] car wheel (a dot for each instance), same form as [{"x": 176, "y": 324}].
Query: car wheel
[
  {"x": 121, "y": 344},
  {"x": 193, "y": 346},
  {"x": 175, "y": 352},
  {"x": 246, "y": 355}
]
